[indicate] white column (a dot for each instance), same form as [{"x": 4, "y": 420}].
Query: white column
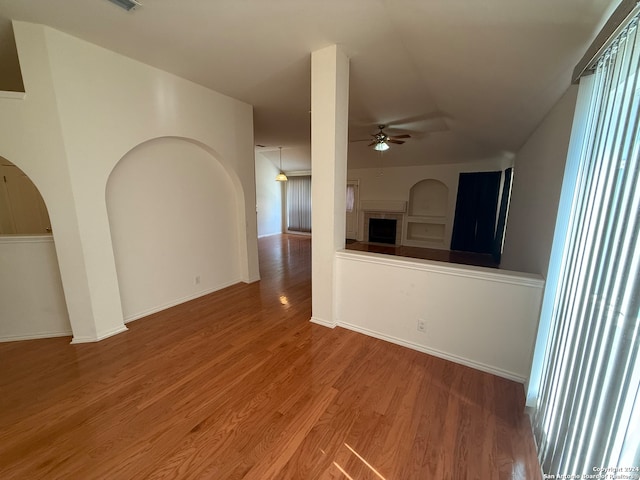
[{"x": 329, "y": 118}]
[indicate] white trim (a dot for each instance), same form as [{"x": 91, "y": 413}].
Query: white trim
[
  {"x": 253, "y": 279},
  {"x": 76, "y": 340},
  {"x": 112, "y": 332},
  {"x": 37, "y": 238},
  {"x": 468, "y": 271},
  {"x": 436, "y": 353},
  {"x": 393, "y": 206},
  {"x": 13, "y": 95},
  {"x": 102, "y": 336},
  {"x": 185, "y": 299},
  {"x": 35, "y": 336},
  {"x": 324, "y": 323},
  {"x": 269, "y": 234}
]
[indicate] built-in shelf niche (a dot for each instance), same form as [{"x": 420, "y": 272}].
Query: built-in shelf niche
[
  {"x": 425, "y": 232},
  {"x": 427, "y": 214},
  {"x": 428, "y": 198}
]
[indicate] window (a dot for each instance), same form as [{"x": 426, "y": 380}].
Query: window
[
  {"x": 587, "y": 410},
  {"x": 351, "y": 197},
  {"x": 299, "y": 204}
]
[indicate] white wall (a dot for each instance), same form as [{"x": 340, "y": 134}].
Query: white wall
[
  {"x": 173, "y": 224},
  {"x": 395, "y": 184},
  {"x": 480, "y": 317},
  {"x": 32, "y": 303},
  {"x": 85, "y": 108},
  {"x": 537, "y": 181},
  {"x": 269, "y": 195}
]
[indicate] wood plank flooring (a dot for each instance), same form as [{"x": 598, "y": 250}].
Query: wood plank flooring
[{"x": 240, "y": 385}]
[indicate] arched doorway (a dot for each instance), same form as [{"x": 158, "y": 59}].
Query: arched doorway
[
  {"x": 22, "y": 208},
  {"x": 32, "y": 303}
]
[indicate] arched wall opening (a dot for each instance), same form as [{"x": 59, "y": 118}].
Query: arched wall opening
[
  {"x": 173, "y": 216},
  {"x": 22, "y": 208},
  {"x": 32, "y": 302}
]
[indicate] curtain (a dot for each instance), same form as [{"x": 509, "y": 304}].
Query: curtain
[
  {"x": 299, "y": 204},
  {"x": 587, "y": 411},
  {"x": 351, "y": 198}
]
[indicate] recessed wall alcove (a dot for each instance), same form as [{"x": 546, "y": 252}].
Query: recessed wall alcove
[
  {"x": 428, "y": 198},
  {"x": 427, "y": 214},
  {"x": 174, "y": 228}
]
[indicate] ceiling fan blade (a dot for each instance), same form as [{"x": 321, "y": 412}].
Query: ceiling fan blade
[
  {"x": 372, "y": 144},
  {"x": 392, "y": 140},
  {"x": 404, "y": 135}
]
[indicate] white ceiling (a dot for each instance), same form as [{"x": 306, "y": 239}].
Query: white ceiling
[{"x": 468, "y": 79}]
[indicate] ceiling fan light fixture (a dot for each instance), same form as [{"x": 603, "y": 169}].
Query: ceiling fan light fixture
[
  {"x": 128, "y": 5},
  {"x": 281, "y": 177},
  {"x": 381, "y": 147}
]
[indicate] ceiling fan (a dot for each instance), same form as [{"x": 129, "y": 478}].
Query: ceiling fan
[
  {"x": 381, "y": 139},
  {"x": 418, "y": 125}
]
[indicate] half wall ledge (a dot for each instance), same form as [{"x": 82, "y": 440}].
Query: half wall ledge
[
  {"x": 470, "y": 271},
  {"x": 480, "y": 317},
  {"x": 13, "y": 95}
]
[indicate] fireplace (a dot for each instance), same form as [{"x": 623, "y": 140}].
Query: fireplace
[
  {"x": 382, "y": 230},
  {"x": 384, "y": 210}
]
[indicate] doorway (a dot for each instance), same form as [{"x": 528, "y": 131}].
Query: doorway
[
  {"x": 474, "y": 225},
  {"x": 22, "y": 209}
]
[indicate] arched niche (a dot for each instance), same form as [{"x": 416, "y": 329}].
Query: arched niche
[
  {"x": 428, "y": 198},
  {"x": 22, "y": 208},
  {"x": 173, "y": 217}
]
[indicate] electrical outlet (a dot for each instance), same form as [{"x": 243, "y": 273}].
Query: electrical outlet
[
  {"x": 196, "y": 281},
  {"x": 422, "y": 325}
]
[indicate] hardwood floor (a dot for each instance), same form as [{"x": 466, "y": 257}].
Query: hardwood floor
[{"x": 240, "y": 385}]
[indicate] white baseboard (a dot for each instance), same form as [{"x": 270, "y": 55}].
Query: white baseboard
[
  {"x": 202, "y": 293},
  {"x": 324, "y": 323},
  {"x": 112, "y": 332},
  {"x": 101, "y": 336},
  {"x": 35, "y": 336},
  {"x": 269, "y": 234},
  {"x": 436, "y": 353}
]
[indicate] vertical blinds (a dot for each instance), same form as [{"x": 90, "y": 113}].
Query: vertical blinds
[
  {"x": 587, "y": 414},
  {"x": 299, "y": 204}
]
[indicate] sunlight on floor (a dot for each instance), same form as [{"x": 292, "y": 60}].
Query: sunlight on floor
[
  {"x": 369, "y": 466},
  {"x": 343, "y": 472}
]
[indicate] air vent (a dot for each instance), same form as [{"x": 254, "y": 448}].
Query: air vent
[{"x": 128, "y": 5}]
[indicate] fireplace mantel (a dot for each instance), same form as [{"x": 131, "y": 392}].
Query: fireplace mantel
[{"x": 391, "y": 206}]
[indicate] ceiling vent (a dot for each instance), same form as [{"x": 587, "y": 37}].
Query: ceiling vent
[{"x": 128, "y": 5}]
